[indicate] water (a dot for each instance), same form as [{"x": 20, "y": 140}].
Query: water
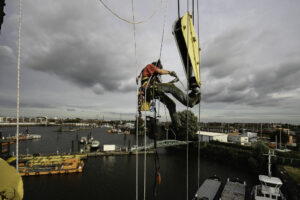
[{"x": 113, "y": 177}]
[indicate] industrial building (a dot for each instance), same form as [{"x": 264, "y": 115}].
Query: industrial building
[
  {"x": 238, "y": 139},
  {"x": 212, "y": 136}
]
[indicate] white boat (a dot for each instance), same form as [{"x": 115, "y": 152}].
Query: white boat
[
  {"x": 36, "y": 136},
  {"x": 83, "y": 140},
  {"x": 33, "y": 136},
  {"x": 269, "y": 187},
  {"x": 208, "y": 189},
  {"x": 95, "y": 144},
  {"x": 234, "y": 190}
]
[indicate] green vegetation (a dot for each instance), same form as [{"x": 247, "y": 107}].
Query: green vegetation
[
  {"x": 237, "y": 155},
  {"x": 76, "y": 120},
  {"x": 188, "y": 123},
  {"x": 293, "y": 172},
  {"x": 284, "y": 136}
]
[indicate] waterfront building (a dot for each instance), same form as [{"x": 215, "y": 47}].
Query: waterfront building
[
  {"x": 241, "y": 139},
  {"x": 212, "y": 136}
]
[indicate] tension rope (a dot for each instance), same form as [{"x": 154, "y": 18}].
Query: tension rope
[
  {"x": 187, "y": 108},
  {"x": 157, "y": 167},
  {"x": 18, "y": 83},
  {"x": 198, "y": 173},
  {"x": 137, "y": 110},
  {"x": 133, "y": 21},
  {"x": 157, "y": 177}
]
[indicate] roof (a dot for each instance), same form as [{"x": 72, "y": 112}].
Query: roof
[
  {"x": 211, "y": 133},
  {"x": 273, "y": 180},
  {"x": 233, "y": 191},
  {"x": 208, "y": 189}
]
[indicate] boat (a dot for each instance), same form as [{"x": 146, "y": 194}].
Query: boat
[
  {"x": 95, "y": 144},
  {"x": 208, "y": 189},
  {"x": 33, "y": 137},
  {"x": 49, "y": 166},
  {"x": 234, "y": 189},
  {"x": 83, "y": 140},
  {"x": 113, "y": 130},
  {"x": 269, "y": 187},
  {"x": 106, "y": 126}
]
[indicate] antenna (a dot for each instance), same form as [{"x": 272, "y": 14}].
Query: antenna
[{"x": 270, "y": 154}]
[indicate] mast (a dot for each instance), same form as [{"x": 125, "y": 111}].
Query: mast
[
  {"x": 269, "y": 162},
  {"x": 280, "y": 138}
]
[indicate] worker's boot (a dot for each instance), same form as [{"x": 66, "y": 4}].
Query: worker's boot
[{"x": 194, "y": 98}]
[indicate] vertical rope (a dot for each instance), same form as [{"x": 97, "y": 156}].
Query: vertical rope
[
  {"x": 137, "y": 115},
  {"x": 166, "y": 121},
  {"x": 187, "y": 109},
  {"x": 145, "y": 143},
  {"x": 193, "y": 10},
  {"x": 163, "y": 32},
  {"x": 178, "y": 6},
  {"x": 18, "y": 84},
  {"x": 145, "y": 140},
  {"x": 198, "y": 180}
]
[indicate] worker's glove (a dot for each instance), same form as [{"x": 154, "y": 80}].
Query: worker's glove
[
  {"x": 172, "y": 73},
  {"x": 137, "y": 79}
]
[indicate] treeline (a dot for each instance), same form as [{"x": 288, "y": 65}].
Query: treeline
[{"x": 252, "y": 158}]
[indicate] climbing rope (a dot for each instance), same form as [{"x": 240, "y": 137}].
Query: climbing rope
[
  {"x": 187, "y": 108},
  {"x": 145, "y": 140},
  {"x": 178, "y": 6},
  {"x": 198, "y": 180},
  {"x": 131, "y": 22},
  {"x": 163, "y": 32},
  {"x": 137, "y": 110},
  {"x": 18, "y": 84}
]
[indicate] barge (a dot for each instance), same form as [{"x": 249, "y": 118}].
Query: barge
[
  {"x": 51, "y": 166},
  {"x": 208, "y": 189}
]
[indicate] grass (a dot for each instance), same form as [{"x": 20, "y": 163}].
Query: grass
[{"x": 294, "y": 173}]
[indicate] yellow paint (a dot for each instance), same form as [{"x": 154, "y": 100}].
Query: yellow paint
[
  {"x": 145, "y": 106},
  {"x": 11, "y": 184},
  {"x": 191, "y": 41}
]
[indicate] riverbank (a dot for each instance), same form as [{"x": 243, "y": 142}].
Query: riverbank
[{"x": 253, "y": 159}]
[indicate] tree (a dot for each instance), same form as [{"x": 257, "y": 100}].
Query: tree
[
  {"x": 284, "y": 137},
  {"x": 2, "y": 13},
  {"x": 187, "y": 117}
]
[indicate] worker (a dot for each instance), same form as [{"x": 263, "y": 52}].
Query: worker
[
  {"x": 154, "y": 88},
  {"x": 11, "y": 184}
]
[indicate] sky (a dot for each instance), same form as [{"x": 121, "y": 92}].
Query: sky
[{"x": 78, "y": 59}]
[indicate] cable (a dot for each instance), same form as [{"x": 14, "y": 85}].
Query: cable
[
  {"x": 131, "y": 22},
  {"x": 178, "y": 6},
  {"x": 18, "y": 84},
  {"x": 137, "y": 110},
  {"x": 187, "y": 108},
  {"x": 198, "y": 180},
  {"x": 193, "y": 11},
  {"x": 145, "y": 139},
  {"x": 163, "y": 33}
]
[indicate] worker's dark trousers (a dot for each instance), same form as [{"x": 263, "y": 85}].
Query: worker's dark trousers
[{"x": 160, "y": 90}]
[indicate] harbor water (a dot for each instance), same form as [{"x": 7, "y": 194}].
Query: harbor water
[{"x": 114, "y": 177}]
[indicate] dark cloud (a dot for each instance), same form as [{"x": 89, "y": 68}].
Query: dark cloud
[
  {"x": 234, "y": 77},
  {"x": 12, "y": 103},
  {"x": 81, "y": 58},
  {"x": 75, "y": 47}
]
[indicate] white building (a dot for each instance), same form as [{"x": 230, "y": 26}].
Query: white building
[
  {"x": 250, "y": 135},
  {"x": 129, "y": 125},
  {"x": 212, "y": 136},
  {"x": 238, "y": 139}
]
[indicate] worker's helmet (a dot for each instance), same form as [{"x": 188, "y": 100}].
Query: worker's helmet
[{"x": 158, "y": 64}]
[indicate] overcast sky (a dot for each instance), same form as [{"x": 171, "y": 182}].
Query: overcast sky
[{"x": 78, "y": 59}]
